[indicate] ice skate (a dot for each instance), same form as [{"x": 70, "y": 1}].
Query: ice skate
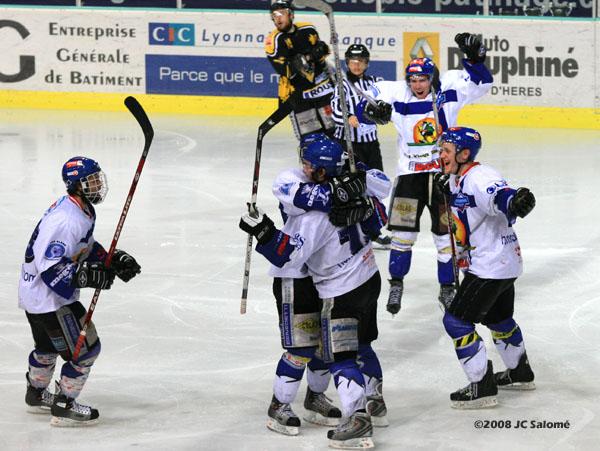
[
  {"x": 382, "y": 242},
  {"x": 319, "y": 409},
  {"x": 377, "y": 409},
  {"x": 67, "y": 412},
  {"x": 395, "y": 296},
  {"x": 38, "y": 400},
  {"x": 353, "y": 433},
  {"x": 282, "y": 418},
  {"x": 477, "y": 395},
  {"x": 446, "y": 296},
  {"x": 519, "y": 378}
]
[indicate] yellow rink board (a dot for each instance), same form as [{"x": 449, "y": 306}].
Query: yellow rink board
[{"x": 517, "y": 116}]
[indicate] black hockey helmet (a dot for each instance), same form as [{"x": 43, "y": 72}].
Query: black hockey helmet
[
  {"x": 281, "y": 4},
  {"x": 357, "y": 51}
]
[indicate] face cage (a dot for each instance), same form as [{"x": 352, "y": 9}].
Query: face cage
[{"x": 95, "y": 187}]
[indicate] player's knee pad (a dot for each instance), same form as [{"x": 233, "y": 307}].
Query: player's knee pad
[
  {"x": 466, "y": 339},
  {"x": 456, "y": 327},
  {"x": 507, "y": 331},
  {"x": 88, "y": 358},
  {"x": 403, "y": 241},
  {"x": 401, "y": 253},
  {"x": 41, "y": 368},
  {"x": 293, "y": 362},
  {"x": 443, "y": 246}
]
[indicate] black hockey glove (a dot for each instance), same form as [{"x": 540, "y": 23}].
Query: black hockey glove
[
  {"x": 380, "y": 114},
  {"x": 302, "y": 65},
  {"x": 319, "y": 51},
  {"x": 348, "y": 187},
  {"x": 353, "y": 212},
  {"x": 441, "y": 182},
  {"x": 522, "y": 203},
  {"x": 259, "y": 226},
  {"x": 472, "y": 46},
  {"x": 124, "y": 265},
  {"x": 93, "y": 275}
]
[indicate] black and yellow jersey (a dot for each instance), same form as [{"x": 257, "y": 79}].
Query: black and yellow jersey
[{"x": 282, "y": 47}]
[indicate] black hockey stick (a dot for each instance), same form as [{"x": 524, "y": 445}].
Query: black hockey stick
[
  {"x": 284, "y": 109},
  {"x": 326, "y": 9},
  {"x": 449, "y": 219},
  {"x": 140, "y": 116}
]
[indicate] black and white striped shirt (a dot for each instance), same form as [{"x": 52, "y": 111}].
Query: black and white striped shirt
[{"x": 365, "y": 132}]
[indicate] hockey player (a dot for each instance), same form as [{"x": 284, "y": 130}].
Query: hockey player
[
  {"x": 343, "y": 268},
  {"x": 408, "y": 104},
  {"x": 364, "y": 136},
  {"x": 299, "y": 57},
  {"x": 61, "y": 258},
  {"x": 484, "y": 210}
]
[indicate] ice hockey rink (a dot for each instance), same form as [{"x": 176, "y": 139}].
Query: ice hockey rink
[{"x": 181, "y": 369}]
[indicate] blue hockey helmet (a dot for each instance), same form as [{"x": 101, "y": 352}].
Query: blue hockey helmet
[
  {"x": 420, "y": 66},
  {"x": 85, "y": 172},
  {"x": 326, "y": 154},
  {"x": 463, "y": 138},
  {"x": 310, "y": 138}
]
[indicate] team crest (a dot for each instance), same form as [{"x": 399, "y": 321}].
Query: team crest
[{"x": 424, "y": 131}]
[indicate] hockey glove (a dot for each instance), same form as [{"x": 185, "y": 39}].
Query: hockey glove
[
  {"x": 522, "y": 203},
  {"x": 441, "y": 182},
  {"x": 353, "y": 212},
  {"x": 319, "y": 51},
  {"x": 348, "y": 187},
  {"x": 259, "y": 225},
  {"x": 472, "y": 46},
  {"x": 93, "y": 275},
  {"x": 124, "y": 265},
  {"x": 379, "y": 114},
  {"x": 303, "y": 66}
]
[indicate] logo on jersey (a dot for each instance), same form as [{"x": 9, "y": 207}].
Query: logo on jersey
[
  {"x": 55, "y": 250},
  {"x": 496, "y": 186},
  {"x": 171, "y": 34},
  {"x": 285, "y": 188},
  {"x": 424, "y": 132},
  {"x": 297, "y": 241}
]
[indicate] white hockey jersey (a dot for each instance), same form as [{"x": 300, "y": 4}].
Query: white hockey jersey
[
  {"x": 63, "y": 237},
  {"x": 414, "y": 119},
  {"x": 482, "y": 229}
]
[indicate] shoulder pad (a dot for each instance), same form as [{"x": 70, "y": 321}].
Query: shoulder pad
[{"x": 271, "y": 41}]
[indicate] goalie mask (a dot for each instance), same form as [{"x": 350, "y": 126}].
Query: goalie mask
[{"x": 83, "y": 176}]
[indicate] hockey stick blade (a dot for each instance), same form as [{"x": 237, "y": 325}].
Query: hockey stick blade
[
  {"x": 319, "y": 5},
  {"x": 142, "y": 118}
]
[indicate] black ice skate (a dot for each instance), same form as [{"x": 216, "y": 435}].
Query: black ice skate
[
  {"x": 38, "y": 400},
  {"x": 382, "y": 242},
  {"x": 519, "y": 378},
  {"x": 377, "y": 409},
  {"x": 319, "y": 409},
  {"x": 282, "y": 418},
  {"x": 395, "y": 297},
  {"x": 477, "y": 395},
  {"x": 66, "y": 412},
  {"x": 446, "y": 296},
  {"x": 353, "y": 433}
]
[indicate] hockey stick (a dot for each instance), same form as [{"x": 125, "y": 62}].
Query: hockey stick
[
  {"x": 326, "y": 9},
  {"x": 284, "y": 109},
  {"x": 140, "y": 116},
  {"x": 449, "y": 219}
]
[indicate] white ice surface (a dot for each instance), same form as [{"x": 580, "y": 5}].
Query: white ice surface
[{"x": 180, "y": 368}]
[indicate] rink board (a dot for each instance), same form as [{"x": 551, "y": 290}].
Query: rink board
[{"x": 202, "y": 62}]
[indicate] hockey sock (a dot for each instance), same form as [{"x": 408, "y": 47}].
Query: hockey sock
[
  {"x": 318, "y": 375},
  {"x": 445, "y": 272},
  {"x": 350, "y": 386},
  {"x": 74, "y": 374},
  {"x": 509, "y": 341},
  {"x": 401, "y": 253},
  {"x": 289, "y": 373},
  {"x": 468, "y": 345},
  {"x": 444, "y": 259},
  {"x": 41, "y": 368},
  {"x": 370, "y": 368}
]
